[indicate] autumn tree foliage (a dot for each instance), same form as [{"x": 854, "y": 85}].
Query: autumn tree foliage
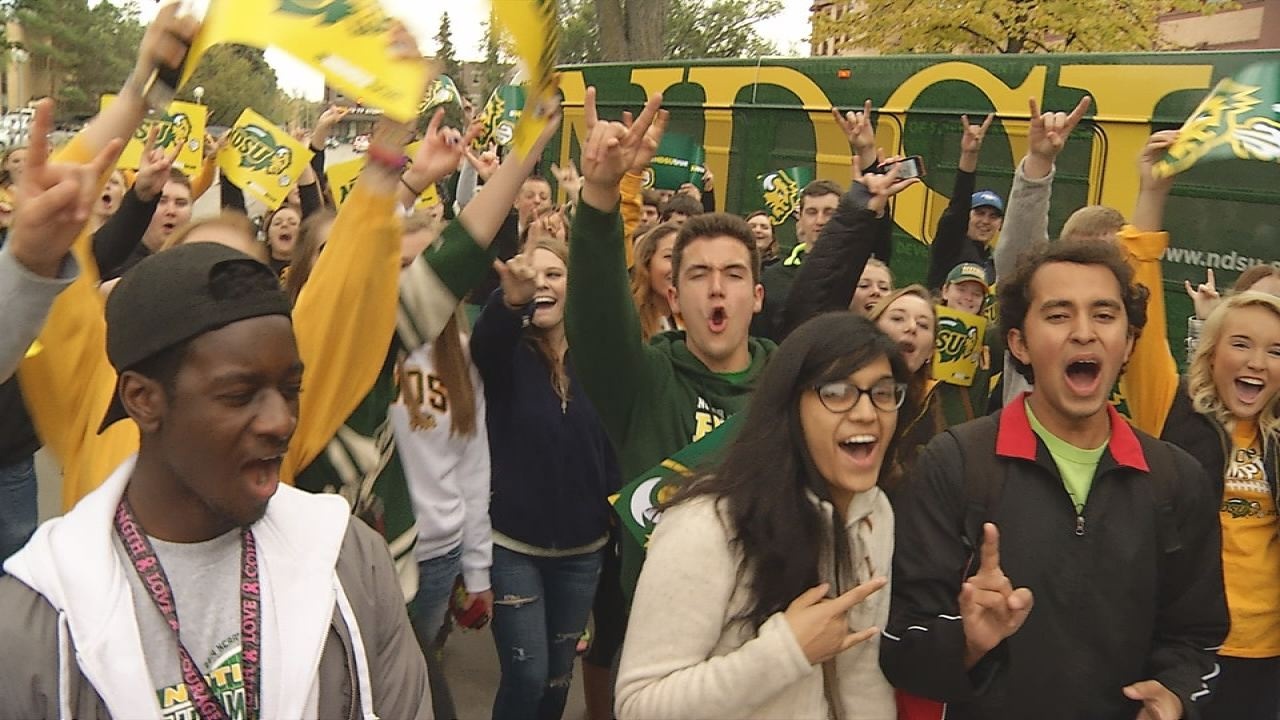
[{"x": 999, "y": 26}]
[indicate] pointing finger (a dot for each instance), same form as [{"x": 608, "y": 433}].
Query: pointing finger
[
  {"x": 812, "y": 596},
  {"x": 1082, "y": 107},
  {"x": 1034, "y": 109},
  {"x": 987, "y": 123},
  {"x": 1208, "y": 278},
  {"x": 858, "y": 638},
  {"x": 589, "y": 108},
  {"x": 964, "y": 123},
  {"x": 647, "y": 116},
  {"x": 150, "y": 144},
  {"x": 842, "y": 604},
  {"x": 42, "y": 124},
  {"x": 990, "y": 549}
]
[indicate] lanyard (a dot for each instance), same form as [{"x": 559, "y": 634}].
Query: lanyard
[{"x": 143, "y": 558}]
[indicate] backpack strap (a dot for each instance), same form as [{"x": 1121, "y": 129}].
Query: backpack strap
[
  {"x": 984, "y": 476},
  {"x": 1163, "y": 471}
]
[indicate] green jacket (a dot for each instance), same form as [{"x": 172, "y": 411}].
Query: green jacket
[{"x": 654, "y": 399}]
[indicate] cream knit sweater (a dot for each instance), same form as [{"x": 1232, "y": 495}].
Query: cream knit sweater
[{"x": 685, "y": 657}]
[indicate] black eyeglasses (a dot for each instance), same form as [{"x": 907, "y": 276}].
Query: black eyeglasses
[{"x": 841, "y": 396}]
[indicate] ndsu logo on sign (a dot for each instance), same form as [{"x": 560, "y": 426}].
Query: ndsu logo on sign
[
  {"x": 262, "y": 158},
  {"x": 958, "y": 347},
  {"x": 259, "y": 151}
]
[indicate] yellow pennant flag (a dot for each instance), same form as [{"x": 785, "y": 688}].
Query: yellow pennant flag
[
  {"x": 534, "y": 28},
  {"x": 958, "y": 347},
  {"x": 343, "y": 175},
  {"x": 262, "y": 159},
  {"x": 182, "y": 123},
  {"x": 346, "y": 40}
]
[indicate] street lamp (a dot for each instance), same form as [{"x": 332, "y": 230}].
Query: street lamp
[
  {"x": 19, "y": 57},
  {"x": 198, "y": 92}
]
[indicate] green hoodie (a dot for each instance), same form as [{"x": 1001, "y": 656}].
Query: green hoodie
[{"x": 655, "y": 399}]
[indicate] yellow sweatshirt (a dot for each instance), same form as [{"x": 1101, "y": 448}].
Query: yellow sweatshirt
[
  {"x": 343, "y": 322},
  {"x": 1151, "y": 380}
]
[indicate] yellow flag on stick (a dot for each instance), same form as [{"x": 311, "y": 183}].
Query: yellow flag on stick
[
  {"x": 262, "y": 159},
  {"x": 533, "y": 26},
  {"x": 343, "y": 175},
  {"x": 182, "y": 123},
  {"x": 346, "y": 40}
]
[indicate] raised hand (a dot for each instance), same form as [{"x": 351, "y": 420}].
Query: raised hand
[
  {"x": 153, "y": 168},
  {"x": 612, "y": 148},
  {"x": 438, "y": 154},
  {"x": 691, "y": 190},
  {"x": 1205, "y": 296},
  {"x": 519, "y": 280},
  {"x": 1157, "y": 145},
  {"x": 486, "y": 163},
  {"x": 325, "y": 124},
  {"x": 857, "y": 127},
  {"x": 883, "y": 186},
  {"x": 164, "y": 45},
  {"x": 568, "y": 178},
  {"x": 972, "y": 135},
  {"x": 991, "y": 608},
  {"x": 861, "y": 134},
  {"x": 821, "y": 625},
  {"x": 708, "y": 181},
  {"x": 52, "y": 201},
  {"x": 1048, "y": 133},
  {"x": 1158, "y": 702}
]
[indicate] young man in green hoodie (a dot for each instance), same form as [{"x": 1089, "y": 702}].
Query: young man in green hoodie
[{"x": 656, "y": 399}]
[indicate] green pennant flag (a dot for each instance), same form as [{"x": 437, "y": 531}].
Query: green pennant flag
[
  {"x": 679, "y": 160},
  {"x": 500, "y": 115},
  {"x": 637, "y": 504},
  {"x": 779, "y": 193},
  {"x": 441, "y": 91},
  {"x": 1239, "y": 119}
]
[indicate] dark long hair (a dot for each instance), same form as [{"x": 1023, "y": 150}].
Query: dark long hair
[{"x": 762, "y": 485}]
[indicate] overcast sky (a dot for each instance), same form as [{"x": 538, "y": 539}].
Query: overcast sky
[{"x": 788, "y": 32}]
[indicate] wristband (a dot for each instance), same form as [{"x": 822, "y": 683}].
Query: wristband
[
  {"x": 387, "y": 158},
  {"x": 410, "y": 188}
]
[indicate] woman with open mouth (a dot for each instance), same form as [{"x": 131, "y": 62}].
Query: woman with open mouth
[
  {"x": 552, "y": 470},
  {"x": 779, "y": 556},
  {"x": 1226, "y": 413},
  {"x": 651, "y": 280}
]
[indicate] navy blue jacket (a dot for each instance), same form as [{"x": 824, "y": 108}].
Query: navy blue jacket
[{"x": 552, "y": 469}]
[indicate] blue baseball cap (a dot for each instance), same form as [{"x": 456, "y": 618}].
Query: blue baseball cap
[{"x": 986, "y": 198}]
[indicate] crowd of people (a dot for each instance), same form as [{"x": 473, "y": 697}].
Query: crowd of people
[{"x": 297, "y": 451}]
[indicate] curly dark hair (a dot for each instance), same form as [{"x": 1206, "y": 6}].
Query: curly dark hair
[{"x": 1015, "y": 291}]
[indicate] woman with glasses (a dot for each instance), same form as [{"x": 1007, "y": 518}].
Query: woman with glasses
[{"x": 765, "y": 581}]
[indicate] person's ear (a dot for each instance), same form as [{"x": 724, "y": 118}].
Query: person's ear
[
  {"x": 144, "y": 399},
  {"x": 1017, "y": 344}
]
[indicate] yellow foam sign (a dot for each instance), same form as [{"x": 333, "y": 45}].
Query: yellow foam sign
[
  {"x": 957, "y": 353},
  {"x": 182, "y": 123},
  {"x": 346, "y": 40},
  {"x": 262, "y": 159},
  {"x": 343, "y": 175},
  {"x": 534, "y": 28}
]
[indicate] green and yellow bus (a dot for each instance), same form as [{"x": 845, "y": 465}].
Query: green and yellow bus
[{"x": 756, "y": 116}]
